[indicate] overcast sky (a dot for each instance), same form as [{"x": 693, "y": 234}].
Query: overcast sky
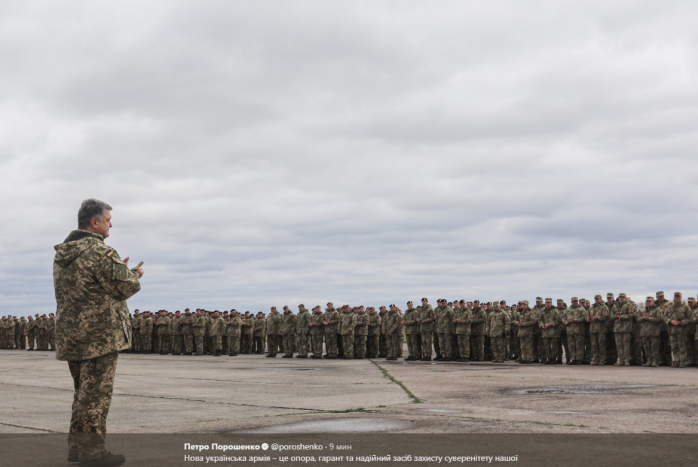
[{"x": 270, "y": 153}]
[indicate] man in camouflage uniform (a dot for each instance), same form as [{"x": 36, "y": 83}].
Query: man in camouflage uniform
[
  {"x": 302, "y": 331},
  {"x": 462, "y": 318},
  {"x": 92, "y": 285},
  {"x": 549, "y": 323},
  {"x": 176, "y": 332},
  {"x": 691, "y": 349},
  {"x": 217, "y": 331},
  {"x": 677, "y": 317},
  {"x": 232, "y": 330},
  {"x": 136, "y": 331},
  {"x": 163, "y": 324},
  {"x": 258, "y": 333},
  {"x": 498, "y": 329},
  {"x": 225, "y": 346},
  {"x": 273, "y": 330},
  {"x": 650, "y": 323},
  {"x": 411, "y": 322},
  {"x": 247, "y": 331},
  {"x": 598, "y": 324},
  {"x": 187, "y": 337},
  {"x": 664, "y": 339},
  {"x": 537, "y": 340},
  {"x": 382, "y": 338},
  {"x": 29, "y": 333},
  {"x": 316, "y": 325},
  {"x": 622, "y": 328},
  {"x": 477, "y": 333},
  {"x": 574, "y": 319},
  {"x": 288, "y": 331},
  {"x": 20, "y": 338},
  {"x": 199, "y": 330},
  {"x": 444, "y": 328},
  {"x": 427, "y": 323},
  {"x": 147, "y": 325},
  {"x": 392, "y": 332},
  {"x": 514, "y": 343},
  {"x": 527, "y": 320},
  {"x": 360, "y": 332},
  {"x": 347, "y": 325},
  {"x": 331, "y": 327},
  {"x": 374, "y": 333},
  {"x": 611, "y": 351}
]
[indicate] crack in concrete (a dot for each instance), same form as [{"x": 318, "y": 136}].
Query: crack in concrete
[{"x": 29, "y": 427}]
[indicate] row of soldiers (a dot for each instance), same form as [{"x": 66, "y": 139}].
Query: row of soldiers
[
  {"x": 33, "y": 333},
  {"x": 616, "y": 331}
]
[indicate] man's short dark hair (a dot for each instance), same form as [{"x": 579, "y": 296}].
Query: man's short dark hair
[{"x": 91, "y": 209}]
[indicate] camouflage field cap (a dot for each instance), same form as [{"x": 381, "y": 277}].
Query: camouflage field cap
[
  {"x": 548, "y": 300},
  {"x": 609, "y": 295},
  {"x": 691, "y": 300},
  {"x": 559, "y": 300},
  {"x": 677, "y": 294},
  {"x": 575, "y": 299},
  {"x": 650, "y": 298},
  {"x": 301, "y": 306},
  {"x": 660, "y": 294},
  {"x": 622, "y": 295},
  {"x": 596, "y": 297},
  {"x": 539, "y": 299},
  {"x": 525, "y": 302}
]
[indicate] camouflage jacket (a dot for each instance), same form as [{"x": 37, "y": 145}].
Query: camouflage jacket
[
  {"x": 393, "y": 320},
  {"x": 288, "y": 323},
  {"x": 578, "y": 315},
  {"x": 303, "y": 323},
  {"x": 247, "y": 325},
  {"x": 663, "y": 307},
  {"x": 374, "y": 324},
  {"x": 332, "y": 319},
  {"x": 217, "y": 326},
  {"x": 411, "y": 321},
  {"x": 361, "y": 328},
  {"x": 498, "y": 323},
  {"x": 677, "y": 312},
  {"x": 348, "y": 323},
  {"x": 427, "y": 318},
  {"x": 176, "y": 325},
  {"x": 146, "y": 326},
  {"x": 625, "y": 313},
  {"x": 527, "y": 320},
  {"x": 552, "y": 318},
  {"x": 136, "y": 323},
  {"x": 315, "y": 323},
  {"x": 274, "y": 324},
  {"x": 187, "y": 321},
  {"x": 232, "y": 327},
  {"x": 91, "y": 285},
  {"x": 163, "y": 324},
  {"x": 650, "y": 326},
  {"x": 199, "y": 326},
  {"x": 444, "y": 321},
  {"x": 600, "y": 313},
  {"x": 462, "y": 319},
  {"x": 259, "y": 325},
  {"x": 479, "y": 322}
]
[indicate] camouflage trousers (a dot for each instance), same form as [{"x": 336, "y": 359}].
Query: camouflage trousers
[
  {"x": 289, "y": 341},
  {"x": 445, "y": 344},
  {"x": 488, "y": 351},
  {"x": 216, "y": 343},
  {"x": 331, "y": 344},
  {"x": 463, "y": 345},
  {"x": 316, "y": 341},
  {"x": 426, "y": 344},
  {"x": 499, "y": 348},
  {"x": 199, "y": 341},
  {"x": 514, "y": 344},
  {"x": 188, "y": 343},
  {"x": 383, "y": 345},
  {"x": 147, "y": 343},
  {"x": 678, "y": 347},
  {"x": 258, "y": 344},
  {"x": 233, "y": 344},
  {"x": 550, "y": 348},
  {"x": 273, "y": 341},
  {"x": 246, "y": 343},
  {"x": 394, "y": 345},
  {"x": 177, "y": 344},
  {"x": 587, "y": 344},
  {"x": 360, "y": 345},
  {"x": 20, "y": 341},
  {"x": 575, "y": 342},
  {"x": 623, "y": 340},
  {"x": 348, "y": 345},
  {"x": 436, "y": 344},
  {"x": 302, "y": 345},
  {"x": 526, "y": 348},
  {"x": 598, "y": 347},
  {"x": 477, "y": 348},
  {"x": 563, "y": 347},
  {"x": 163, "y": 343},
  {"x": 30, "y": 340},
  {"x": 373, "y": 346},
  {"x": 650, "y": 346},
  {"x": 537, "y": 345},
  {"x": 414, "y": 348},
  {"x": 93, "y": 381}
]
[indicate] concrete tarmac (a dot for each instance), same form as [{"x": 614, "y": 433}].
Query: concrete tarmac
[{"x": 250, "y": 393}]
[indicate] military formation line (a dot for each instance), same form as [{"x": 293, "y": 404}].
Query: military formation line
[{"x": 612, "y": 332}]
